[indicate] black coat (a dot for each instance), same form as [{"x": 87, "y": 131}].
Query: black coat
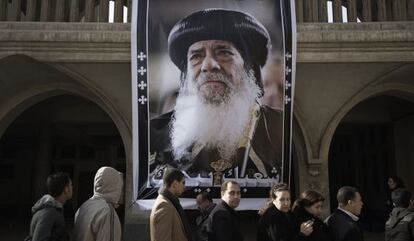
[
  {"x": 223, "y": 224},
  {"x": 275, "y": 225},
  {"x": 202, "y": 223},
  {"x": 400, "y": 225},
  {"x": 320, "y": 230},
  {"x": 343, "y": 228}
]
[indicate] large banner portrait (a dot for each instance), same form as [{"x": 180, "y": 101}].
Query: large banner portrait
[{"x": 212, "y": 86}]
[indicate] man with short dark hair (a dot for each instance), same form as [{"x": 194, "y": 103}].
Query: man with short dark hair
[
  {"x": 168, "y": 221},
  {"x": 48, "y": 222},
  {"x": 400, "y": 225},
  {"x": 223, "y": 222},
  {"x": 342, "y": 223},
  {"x": 205, "y": 206},
  {"x": 218, "y": 123}
]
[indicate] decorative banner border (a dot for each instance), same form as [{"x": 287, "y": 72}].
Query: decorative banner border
[
  {"x": 289, "y": 34},
  {"x": 140, "y": 104}
]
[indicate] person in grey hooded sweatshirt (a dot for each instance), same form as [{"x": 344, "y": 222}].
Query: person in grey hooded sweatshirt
[
  {"x": 400, "y": 225},
  {"x": 96, "y": 219},
  {"x": 48, "y": 222}
]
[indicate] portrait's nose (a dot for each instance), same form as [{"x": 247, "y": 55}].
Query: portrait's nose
[{"x": 210, "y": 64}]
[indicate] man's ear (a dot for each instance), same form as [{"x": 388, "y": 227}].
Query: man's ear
[
  {"x": 65, "y": 190},
  {"x": 174, "y": 184}
]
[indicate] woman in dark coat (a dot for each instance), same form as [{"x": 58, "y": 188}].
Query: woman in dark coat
[
  {"x": 276, "y": 223},
  {"x": 309, "y": 208}
]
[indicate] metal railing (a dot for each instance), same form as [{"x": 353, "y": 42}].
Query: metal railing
[
  {"x": 355, "y": 10},
  {"x": 64, "y": 10},
  {"x": 306, "y": 10}
]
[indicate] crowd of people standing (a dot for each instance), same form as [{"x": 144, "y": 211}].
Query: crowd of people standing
[
  {"x": 97, "y": 220},
  {"x": 279, "y": 220}
]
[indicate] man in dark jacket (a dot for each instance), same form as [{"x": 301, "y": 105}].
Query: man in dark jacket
[
  {"x": 223, "y": 221},
  {"x": 400, "y": 225},
  {"x": 342, "y": 224},
  {"x": 48, "y": 222},
  {"x": 205, "y": 206}
]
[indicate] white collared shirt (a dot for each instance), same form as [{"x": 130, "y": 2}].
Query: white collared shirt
[{"x": 353, "y": 216}]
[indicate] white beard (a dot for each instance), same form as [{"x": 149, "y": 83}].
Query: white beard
[{"x": 209, "y": 123}]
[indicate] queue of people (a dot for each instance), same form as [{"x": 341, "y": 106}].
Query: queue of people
[
  {"x": 97, "y": 220},
  {"x": 278, "y": 222},
  {"x": 281, "y": 222}
]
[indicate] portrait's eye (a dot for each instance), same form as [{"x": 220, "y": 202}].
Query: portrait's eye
[
  {"x": 225, "y": 53},
  {"x": 195, "y": 56}
]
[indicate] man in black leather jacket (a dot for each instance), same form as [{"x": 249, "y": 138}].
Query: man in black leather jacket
[
  {"x": 343, "y": 223},
  {"x": 223, "y": 222}
]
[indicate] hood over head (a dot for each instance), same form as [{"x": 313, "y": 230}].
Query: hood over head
[
  {"x": 46, "y": 201},
  {"x": 399, "y": 214},
  {"x": 108, "y": 184}
]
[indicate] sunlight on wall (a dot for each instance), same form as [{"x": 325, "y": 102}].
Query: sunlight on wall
[
  {"x": 111, "y": 12},
  {"x": 344, "y": 13}
]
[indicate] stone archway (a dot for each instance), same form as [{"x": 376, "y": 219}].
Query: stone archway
[
  {"x": 370, "y": 143},
  {"x": 62, "y": 133},
  {"x": 51, "y": 120}
]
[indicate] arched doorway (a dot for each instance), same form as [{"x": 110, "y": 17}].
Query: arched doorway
[
  {"x": 62, "y": 133},
  {"x": 374, "y": 140}
]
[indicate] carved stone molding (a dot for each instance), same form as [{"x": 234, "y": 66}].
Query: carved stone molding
[{"x": 314, "y": 169}]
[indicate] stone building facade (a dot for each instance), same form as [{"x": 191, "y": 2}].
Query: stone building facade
[{"x": 65, "y": 104}]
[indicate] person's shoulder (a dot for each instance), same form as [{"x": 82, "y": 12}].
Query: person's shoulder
[
  {"x": 271, "y": 110},
  {"x": 301, "y": 215},
  {"x": 339, "y": 217},
  {"x": 220, "y": 210},
  {"x": 211, "y": 208},
  {"x": 95, "y": 205},
  {"x": 219, "y": 206},
  {"x": 162, "y": 202},
  {"x": 162, "y": 208},
  {"x": 162, "y": 119},
  {"x": 49, "y": 213},
  {"x": 332, "y": 218},
  {"x": 409, "y": 217},
  {"x": 271, "y": 214},
  {"x": 272, "y": 116},
  {"x": 94, "y": 201}
]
